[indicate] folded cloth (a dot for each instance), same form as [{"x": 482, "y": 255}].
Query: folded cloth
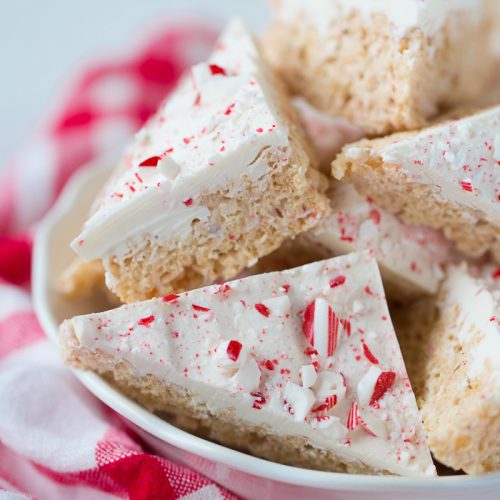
[{"x": 56, "y": 439}]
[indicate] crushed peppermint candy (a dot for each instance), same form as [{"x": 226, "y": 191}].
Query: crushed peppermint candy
[
  {"x": 321, "y": 327},
  {"x": 146, "y": 321},
  {"x": 337, "y": 281},
  {"x": 308, "y": 375},
  {"x": 353, "y": 417},
  {"x": 259, "y": 400},
  {"x": 170, "y": 297},
  {"x": 263, "y": 310},
  {"x": 299, "y": 399},
  {"x": 150, "y": 162},
  {"x": 383, "y": 384},
  {"x": 217, "y": 70},
  {"x": 200, "y": 308},
  {"x": 233, "y": 350},
  {"x": 369, "y": 355}
]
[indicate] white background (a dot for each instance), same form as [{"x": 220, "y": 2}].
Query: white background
[{"x": 41, "y": 41}]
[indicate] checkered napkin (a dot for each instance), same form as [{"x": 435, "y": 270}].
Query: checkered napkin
[{"x": 57, "y": 440}]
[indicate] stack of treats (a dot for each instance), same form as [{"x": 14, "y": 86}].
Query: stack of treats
[{"x": 344, "y": 173}]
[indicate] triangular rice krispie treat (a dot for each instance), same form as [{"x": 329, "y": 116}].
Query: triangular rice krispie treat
[
  {"x": 452, "y": 348},
  {"x": 386, "y": 65},
  {"x": 446, "y": 176},
  {"x": 216, "y": 179},
  {"x": 301, "y": 366}
]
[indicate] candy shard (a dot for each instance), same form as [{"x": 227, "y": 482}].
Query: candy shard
[
  {"x": 369, "y": 355},
  {"x": 248, "y": 376},
  {"x": 373, "y": 426},
  {"x": 300, "y": 399},
  {"x": 150, "y": 162},
  {"x": 278, "y": 305},
  {"x": 168, "y": 168},
  {"x": 262, "y": 309},
  {"x": 146, "y": 321},
  {"x": 308, "y": 375},
  {"x": 321, "y": 327},
  {"x": 233, "y": 350},
  {"x": 328, "y": 384},
  {"x": 384, "y": 382},
  {"x": 367, "y": 384},
  {"x": 353, "y": 417}
]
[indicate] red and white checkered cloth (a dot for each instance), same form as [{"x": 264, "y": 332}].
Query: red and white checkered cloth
[{"x": 57, "y": 440}]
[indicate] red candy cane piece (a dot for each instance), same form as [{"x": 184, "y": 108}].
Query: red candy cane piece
[
  {"x": 233, "y": 350},
  {"x": 369, "y": 355},
  {"x": 146, "y": 321},
  {"x": 217, "y": 70},
  {"x": 200, "y": 308},
  {"x": 170, "y": 297},
  {"x": 383, "y": 384},
  {"x": 353, "y": 417},
  {"x": 263, "y": 310},
  {"x": 150, "y": 162},
  {"x": 321, "y": 327}
]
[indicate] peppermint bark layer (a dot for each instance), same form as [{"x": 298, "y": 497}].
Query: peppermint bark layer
[{"x": 307, "y": 356}]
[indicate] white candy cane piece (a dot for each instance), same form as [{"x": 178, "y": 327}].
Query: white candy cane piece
[{"x": 299, "y": 399}]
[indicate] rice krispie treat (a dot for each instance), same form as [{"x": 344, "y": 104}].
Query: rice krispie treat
[
  {"x": 452, "y": 350},
  {"x": 411, "y": 258},
  {"x": 300, "y": 367},
  {"x": 386, "y": 65},
  {"x": 219, "y": 177},
  {"x": 446, "y": 177}
]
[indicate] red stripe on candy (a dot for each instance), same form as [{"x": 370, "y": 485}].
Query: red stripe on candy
[
  {"x": 217, "y": 70},
  {"x": 263, "y": 310},
  {"x": 150, "y": 162},
  {"x": 200, "y": 308},
  {"x": 369, "y": 355},
  {"x": 170, "y": 297},
  {"x": 383, "y": 384}
]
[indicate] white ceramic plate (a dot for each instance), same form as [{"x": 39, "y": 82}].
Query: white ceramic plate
[{"x": 247, "y": 476}]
